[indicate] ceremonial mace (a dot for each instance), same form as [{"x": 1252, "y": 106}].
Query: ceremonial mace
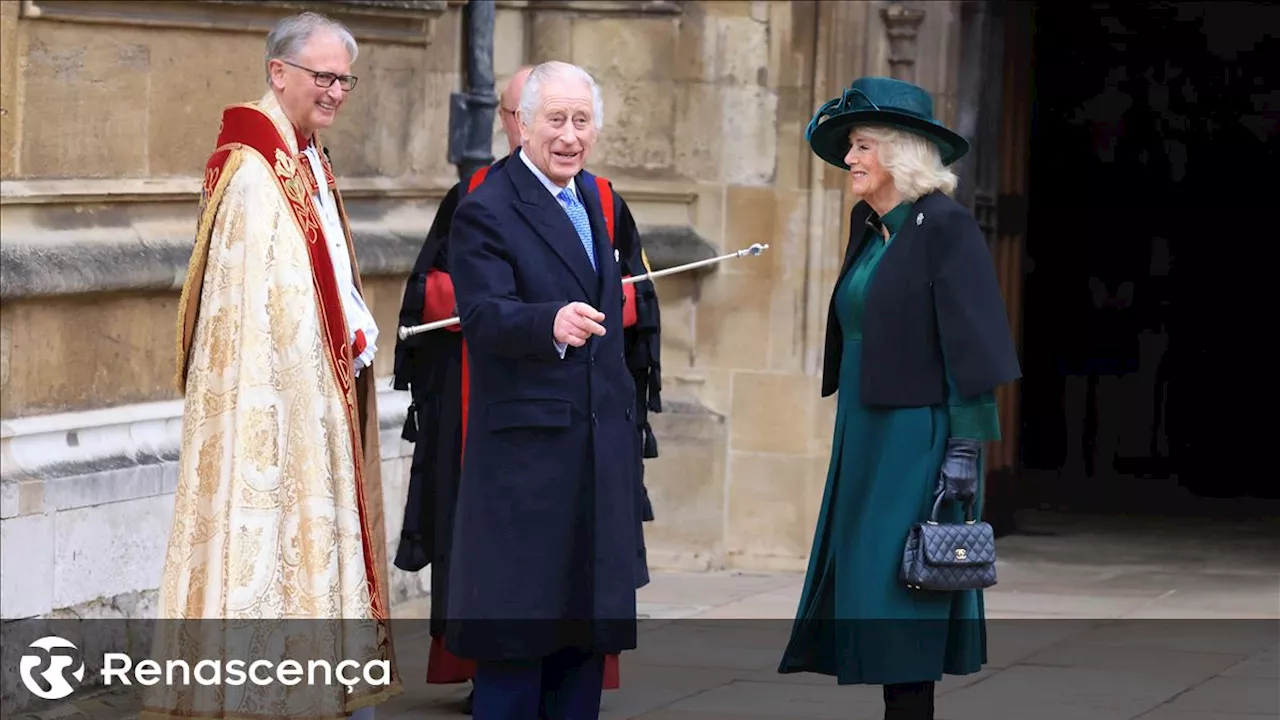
[{"x": 756, "y": 249}]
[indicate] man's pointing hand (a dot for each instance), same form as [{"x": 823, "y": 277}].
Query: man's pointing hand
[{"x": 576, "y": 322}]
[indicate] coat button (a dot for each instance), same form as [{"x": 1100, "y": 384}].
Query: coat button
[
  {"x": 628, "y": 413},
  {"x": 593, "y": 419}
]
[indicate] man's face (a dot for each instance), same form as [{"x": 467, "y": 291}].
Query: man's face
[
  {"x": 308, "y": 105},
  {"x": 509, "y": 109},
  {"x": 563, "y": 130}
]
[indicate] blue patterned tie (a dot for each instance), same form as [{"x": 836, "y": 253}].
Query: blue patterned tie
[{"x": 578, "y": 214}]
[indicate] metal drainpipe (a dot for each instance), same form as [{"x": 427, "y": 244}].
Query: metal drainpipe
[{"x": 471, "y": 112}]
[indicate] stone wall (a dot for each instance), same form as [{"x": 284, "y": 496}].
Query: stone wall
[
  {"x": 86, "y": 501},
  {"x": 107, "y": 111}
]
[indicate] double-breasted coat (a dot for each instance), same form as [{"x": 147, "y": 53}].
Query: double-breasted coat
[{"x": 544, "y": 541}]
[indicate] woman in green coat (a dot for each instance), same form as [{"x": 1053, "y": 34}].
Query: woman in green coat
[{"x": 917, "y": 341}]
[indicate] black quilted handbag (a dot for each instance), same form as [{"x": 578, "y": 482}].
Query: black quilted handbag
[{"x": 949, "y": 556}]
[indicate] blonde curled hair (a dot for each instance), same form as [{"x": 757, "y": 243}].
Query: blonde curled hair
[{"x": 913, "y": 162}]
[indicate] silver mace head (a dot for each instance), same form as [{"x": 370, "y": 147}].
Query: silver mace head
[{"x": 755, "y": 249}]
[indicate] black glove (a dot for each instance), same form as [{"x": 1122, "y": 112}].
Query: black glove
[{"x": 958, "y": 478}]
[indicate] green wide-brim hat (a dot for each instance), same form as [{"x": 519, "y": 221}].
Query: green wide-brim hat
[{"x": 879, "y": 101}]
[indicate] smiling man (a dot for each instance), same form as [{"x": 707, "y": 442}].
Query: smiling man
[
  {"x": 278, "y": 509},
  {"x": 542, "y": 582}
]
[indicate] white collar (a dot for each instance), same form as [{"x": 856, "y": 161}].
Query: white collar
[{"x": 551, "y": 187}]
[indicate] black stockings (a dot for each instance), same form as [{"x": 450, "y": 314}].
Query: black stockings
[{"x": 908, "y": 701}]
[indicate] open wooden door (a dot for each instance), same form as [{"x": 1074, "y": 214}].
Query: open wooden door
[
  {"x": 995, "y": 113},
  {"x": 1010, "y": 245}
]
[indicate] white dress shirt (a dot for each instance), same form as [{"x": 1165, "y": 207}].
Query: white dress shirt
[
  {"x": 551, "y": 187},
  {"x": 555, "y": 191},
  {"x": 357, "y": 313}
]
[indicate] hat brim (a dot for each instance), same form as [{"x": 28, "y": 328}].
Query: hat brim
[{"x": 830, "y": 140}]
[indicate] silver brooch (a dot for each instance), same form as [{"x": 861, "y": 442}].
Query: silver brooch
[{"x": 920, "y": 219}]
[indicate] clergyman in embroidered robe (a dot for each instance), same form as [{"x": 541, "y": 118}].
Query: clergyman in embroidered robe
[{"x": 278, "y": 548}]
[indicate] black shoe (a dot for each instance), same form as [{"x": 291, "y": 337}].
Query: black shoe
[{"x": 466, "y": 704}]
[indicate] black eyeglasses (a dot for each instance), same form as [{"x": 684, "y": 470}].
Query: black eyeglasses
[{"x": 327, "y": 79}]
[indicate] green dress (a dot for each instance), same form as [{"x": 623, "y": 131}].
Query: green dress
[{"x": 856, "y": 620}]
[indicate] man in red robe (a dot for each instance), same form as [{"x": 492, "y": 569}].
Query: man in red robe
[{"x": 431, "y": 366}]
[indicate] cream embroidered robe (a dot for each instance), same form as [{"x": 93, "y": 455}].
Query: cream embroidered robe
[{"x": 278, "y": 549}]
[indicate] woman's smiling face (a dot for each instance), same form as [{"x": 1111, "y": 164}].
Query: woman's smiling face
[{"x": 867, "y": 177}]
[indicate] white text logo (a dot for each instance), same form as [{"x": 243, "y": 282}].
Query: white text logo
[{"x": 349, "y": 673}]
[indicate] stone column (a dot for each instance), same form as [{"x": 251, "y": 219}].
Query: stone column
[
  {"x": 901, "y": 25},
  {"x": 550, "y": 34}
]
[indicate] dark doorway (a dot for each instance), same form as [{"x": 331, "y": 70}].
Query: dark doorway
[{"x": 1150, "y": 295}]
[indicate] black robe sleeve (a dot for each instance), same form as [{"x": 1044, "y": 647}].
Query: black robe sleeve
[
  {"x": 973, "y": 325},
  {"x": 643, "y": 340},
  {"x": 423, "y": 365},
  {"x": 415, "y": 289}
]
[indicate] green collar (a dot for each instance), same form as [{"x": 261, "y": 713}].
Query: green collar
[{"x": 895, "y": 217}]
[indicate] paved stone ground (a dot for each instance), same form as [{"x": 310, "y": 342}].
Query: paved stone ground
[{"x": 1104, "y": 620}]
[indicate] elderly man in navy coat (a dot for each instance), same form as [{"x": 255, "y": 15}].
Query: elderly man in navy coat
[{"x": 543, "y": 580}]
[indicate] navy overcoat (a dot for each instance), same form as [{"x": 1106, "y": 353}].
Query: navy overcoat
[{"x": 544, "y": 542}]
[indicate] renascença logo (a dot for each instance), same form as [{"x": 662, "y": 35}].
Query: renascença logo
[
  {"x": 55, "y": 676},
  {"x": 349, "y": 673},
  {"x": 119, "y": 667}
]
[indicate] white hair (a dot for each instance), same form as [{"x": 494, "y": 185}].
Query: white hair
[
  {"x": 914, "y": 163},
  {"x": 291, "y": 35},
  {"x": 531, "y": 94}
]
